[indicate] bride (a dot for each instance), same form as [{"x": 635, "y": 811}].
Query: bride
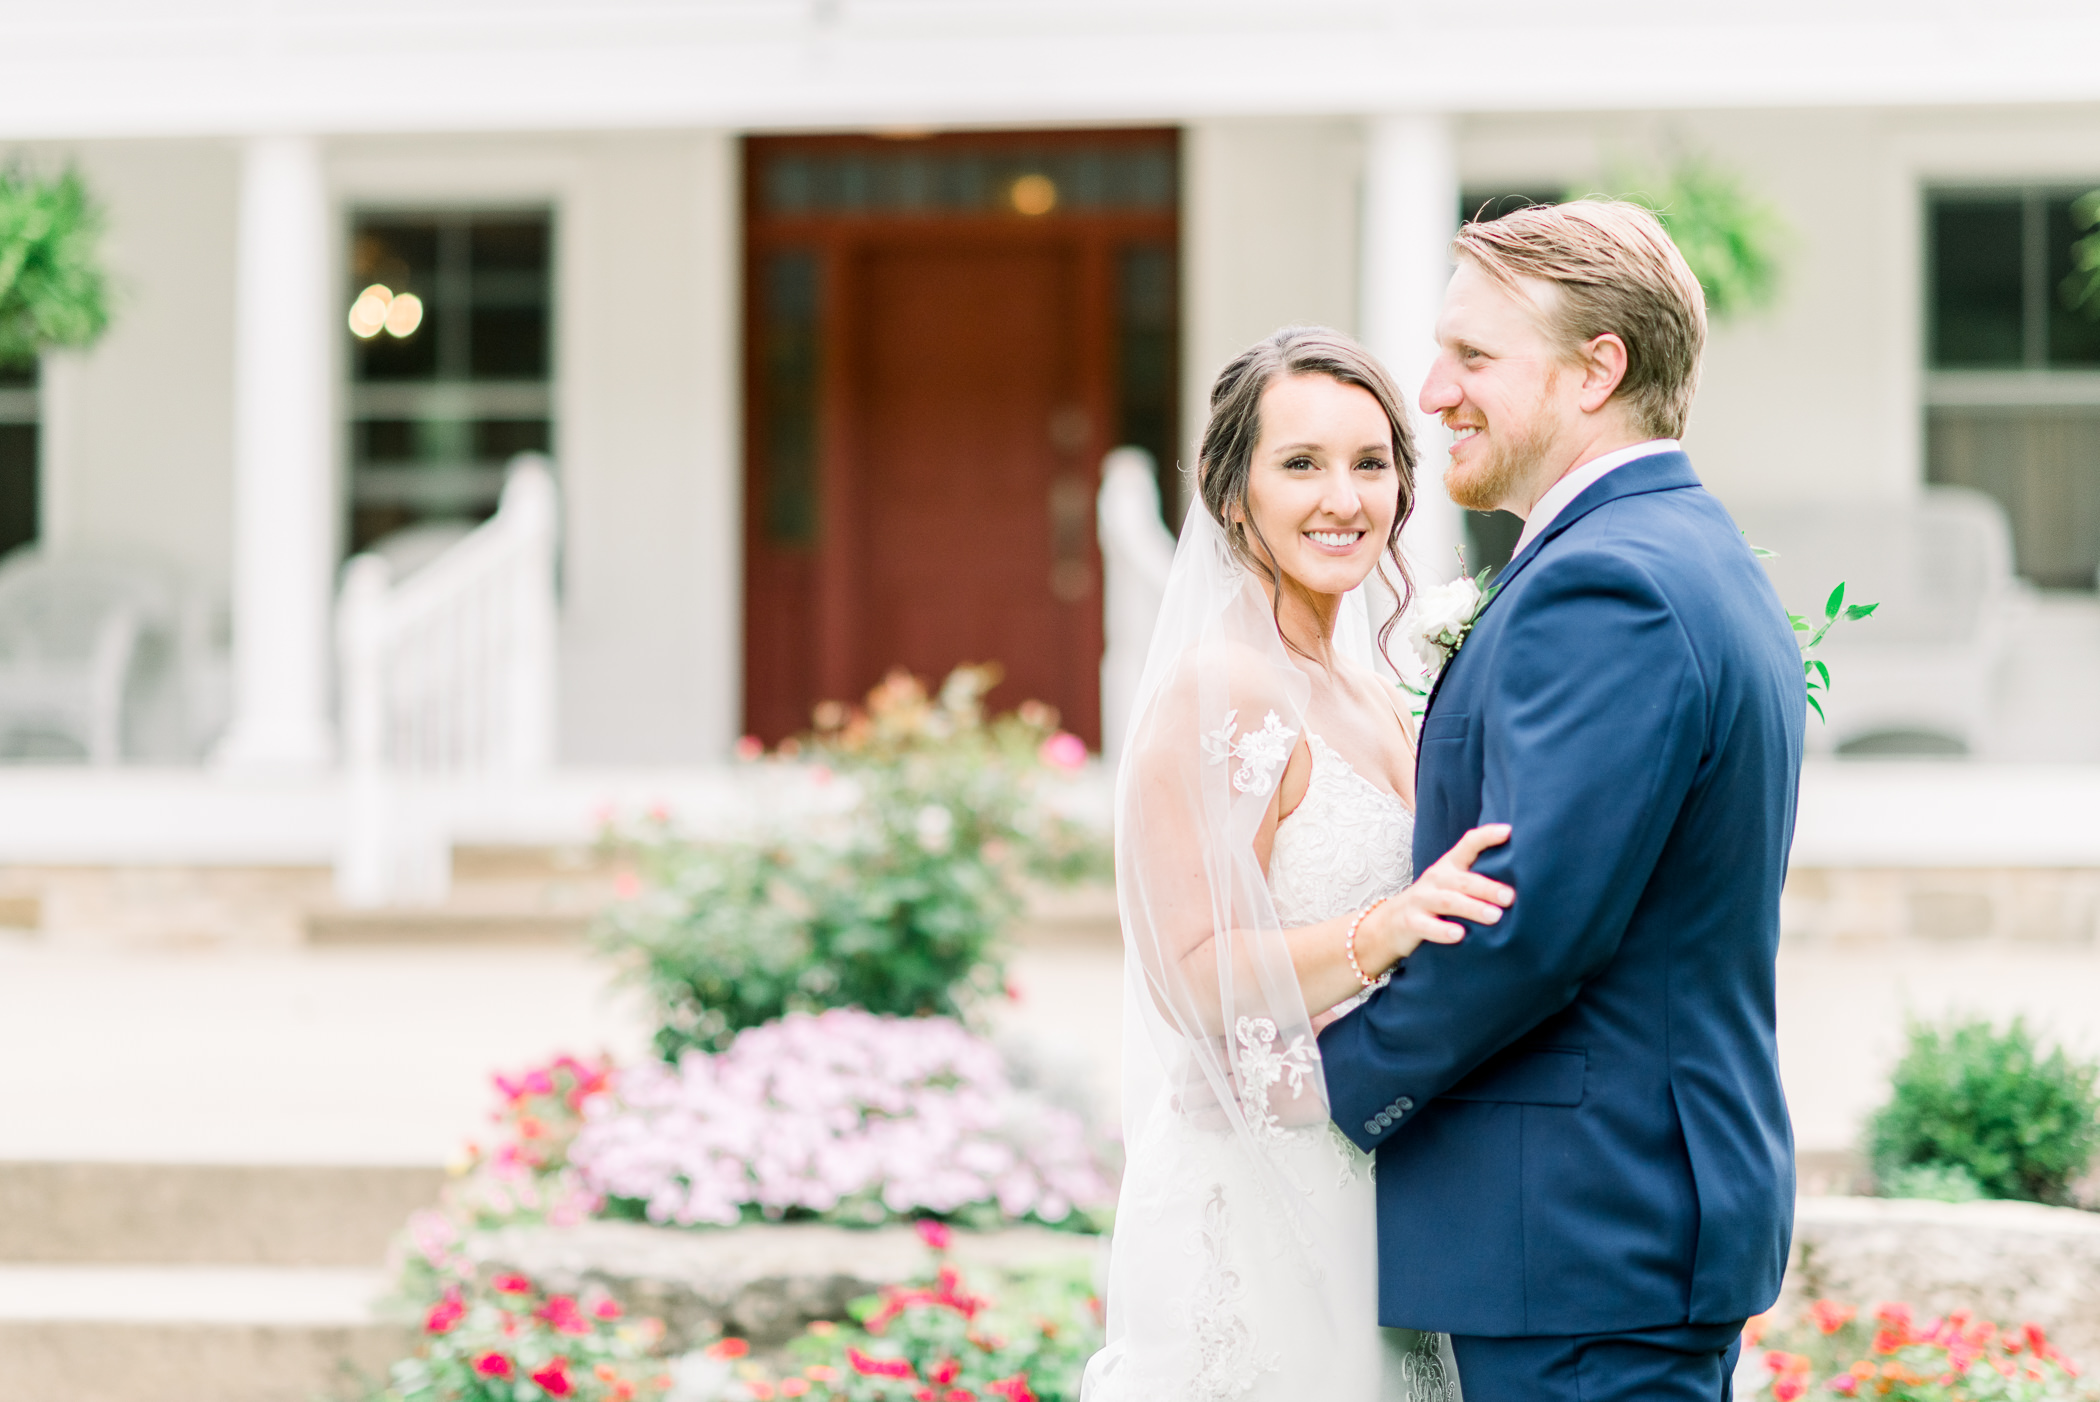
[{"x": 1263, "y": 829}]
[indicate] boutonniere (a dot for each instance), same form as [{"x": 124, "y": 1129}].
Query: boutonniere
[{"x": 1443, "y": 620}]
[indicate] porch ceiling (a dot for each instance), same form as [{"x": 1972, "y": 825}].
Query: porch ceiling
[{"x": 137, "y": 68}]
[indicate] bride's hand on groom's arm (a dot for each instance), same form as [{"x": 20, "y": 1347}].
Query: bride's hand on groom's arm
[{"x": 1449, "y": 891}]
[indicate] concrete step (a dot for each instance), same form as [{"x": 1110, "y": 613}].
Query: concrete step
[
  {"x": 287, "y": 1215},
  {"x": 191, "y": 1334},
  {"x": 435, "y": 925}
]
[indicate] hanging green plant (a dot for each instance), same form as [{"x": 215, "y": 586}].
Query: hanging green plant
[
  {"x": 53, "y": 292},
  {"x": 2081, "y": 290},
  {"x": 1732, "y": 240}
]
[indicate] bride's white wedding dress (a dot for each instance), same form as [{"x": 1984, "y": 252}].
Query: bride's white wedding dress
[{"x": 1207, "y": 1294}]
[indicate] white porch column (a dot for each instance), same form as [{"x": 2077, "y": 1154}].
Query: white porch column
[
  {"x": 283, "y": 529},
  {"x": 1410, "y": 212}
]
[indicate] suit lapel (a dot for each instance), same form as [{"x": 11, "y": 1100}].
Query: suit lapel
[{"x": 1658, "y": 472}]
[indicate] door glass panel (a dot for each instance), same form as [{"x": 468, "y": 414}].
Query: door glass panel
[
  {"x": 789, "y": 344},
  {"x": 911, "y": 180}
]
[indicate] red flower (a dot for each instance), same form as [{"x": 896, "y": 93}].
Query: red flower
[
  {"x": 446, "y": 1313},
  {"x": 554, "y": 1378},
  {"x": 511, "y": 1284},
  {"x": 492, "y": 1365},
  {"x": 728, "y": 1348},
  {"x": 934, "y": 1234},
  {"x": 1013, "y": 1389},
  {"x": 1830, "y": 1316},
  {"x": 869, "y": 1367},
  {"x": 944, "y": 1372},
  {"x": 561, "y": 1314},
  {"x": 606, "y": 1308}
]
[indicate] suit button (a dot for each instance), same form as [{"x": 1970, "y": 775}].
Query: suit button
[
  {"x": 1371, "y": 1126},
  {"x": 1404, "y": 1104},
  {"x": 1384, "y": 1120}
]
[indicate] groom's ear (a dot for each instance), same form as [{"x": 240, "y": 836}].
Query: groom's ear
[{"x": 1603, "y": 364}]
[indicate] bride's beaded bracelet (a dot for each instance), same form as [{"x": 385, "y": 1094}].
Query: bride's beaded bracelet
[{"x": 1349, "y": 942}]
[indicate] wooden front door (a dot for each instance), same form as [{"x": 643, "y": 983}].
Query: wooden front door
[{"x": 938, "y": 360}]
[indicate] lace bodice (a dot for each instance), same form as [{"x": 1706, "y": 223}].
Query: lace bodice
[{"x": 1347, "y": 843}]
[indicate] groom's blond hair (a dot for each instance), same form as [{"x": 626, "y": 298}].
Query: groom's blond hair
[{"x": 1616, "y": 271}]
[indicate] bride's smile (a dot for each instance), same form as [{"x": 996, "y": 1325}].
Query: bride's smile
[{"x": 1323, "y": 491}]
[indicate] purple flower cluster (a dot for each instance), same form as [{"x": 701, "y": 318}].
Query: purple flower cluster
[{"x": 811, "y": 1113}]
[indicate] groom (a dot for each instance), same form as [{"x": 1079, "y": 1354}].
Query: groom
[{"x": 1585, "y": 1169}]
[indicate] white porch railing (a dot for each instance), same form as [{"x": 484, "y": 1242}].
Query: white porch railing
[
  {"x": 1137, "y": 551},
  {"x": 448, "y": 672}
]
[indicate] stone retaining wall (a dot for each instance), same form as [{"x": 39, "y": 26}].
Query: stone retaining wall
[
  {"x": 762, "y": 1283},
  {"x": 2010, "y": 1261}
]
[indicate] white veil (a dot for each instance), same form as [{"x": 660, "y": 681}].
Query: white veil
[{"x": 1209, "y": 986}]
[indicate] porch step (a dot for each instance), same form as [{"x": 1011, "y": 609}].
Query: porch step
[
  {"x": 191, "y": 1333},
  {"x": 445, "y": 925},
  {"x": 193, "y": 1215}
]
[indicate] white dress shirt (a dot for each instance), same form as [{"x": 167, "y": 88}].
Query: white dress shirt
[{"x": 1581, "y": 480}]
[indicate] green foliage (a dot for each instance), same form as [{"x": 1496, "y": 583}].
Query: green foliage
[
  {"x": 1968, "y": 1097},
  {"x": 52, "y": 289},
  {"x": 1814, "y": 670},
  {"x": 895, "y": 905},
  {"x": 929, "y": 1339},
  {"x": 1808, "y": 637},
  {"x": 1936, "y": 1182},
  {"x": 1731, "y": 239},
  {"x": 2081, "y": 290}
]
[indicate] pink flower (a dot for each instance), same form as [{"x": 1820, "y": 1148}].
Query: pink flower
[
  {"x": 1064, "y": 751},
  {"x": 492, "y": 1365},
  {"x": 728, "y": 1348},
  {"x": 606, "y": 1308},
  {"x": 626, "y": 885},
  {"x": 749, "y": 748},
  {"x": 936, "y": 1235},
  {"x": 554, "y": 1378},
  {"x": 511, "y": 1284},
  {"x": 560, "y": 1314},
  {"x": 869, "y": 1367},
  {"x": 445, "y": 1313}
]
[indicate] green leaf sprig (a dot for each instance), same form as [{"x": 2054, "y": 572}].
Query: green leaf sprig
[{"x": 1808, "y": 637}]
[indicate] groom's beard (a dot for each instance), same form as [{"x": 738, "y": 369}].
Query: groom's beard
[{"x": 1513, "y": 457}]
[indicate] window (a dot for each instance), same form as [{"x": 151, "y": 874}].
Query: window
[
  {"x": 2013, "y": 384},
  {"x": 450, "y": 363},
  {"x": 18, "y": 453}
]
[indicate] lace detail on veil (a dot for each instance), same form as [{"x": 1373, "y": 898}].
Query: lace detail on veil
[{"x": 1260, "y": 752}]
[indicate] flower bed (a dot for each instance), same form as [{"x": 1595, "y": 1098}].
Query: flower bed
[
  {"x": 934, "y": 1338},
  {"x": 1830, "y": 1350},
  {"x": 842, "y": 1116},
  {"x": 505, "y": 1340}
]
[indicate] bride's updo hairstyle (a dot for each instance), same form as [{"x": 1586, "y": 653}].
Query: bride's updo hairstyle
[{"x": 1225, "y": 460}]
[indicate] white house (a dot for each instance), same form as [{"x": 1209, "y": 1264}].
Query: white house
[{"x": 826, "y": 312}]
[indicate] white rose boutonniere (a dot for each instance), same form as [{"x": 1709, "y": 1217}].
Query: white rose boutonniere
[{"x": 1441, "y": 620}]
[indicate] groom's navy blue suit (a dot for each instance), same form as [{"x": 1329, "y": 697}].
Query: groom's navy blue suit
[{"x": 1581, "y": 1138}]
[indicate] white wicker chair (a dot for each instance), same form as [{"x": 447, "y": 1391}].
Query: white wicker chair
[
  {"x": 72, "y": 636},
  {"x": 1941, "y": 567}
]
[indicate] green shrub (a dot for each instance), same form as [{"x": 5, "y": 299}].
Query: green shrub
[
  {"x": 1969, "y": 1098},
  {"x": 896, "y": 905}
]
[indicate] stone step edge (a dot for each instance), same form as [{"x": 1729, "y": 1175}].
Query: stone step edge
[
  {"x": 303, "y": 1297},
  {"x": 86, "y": 1213}
]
